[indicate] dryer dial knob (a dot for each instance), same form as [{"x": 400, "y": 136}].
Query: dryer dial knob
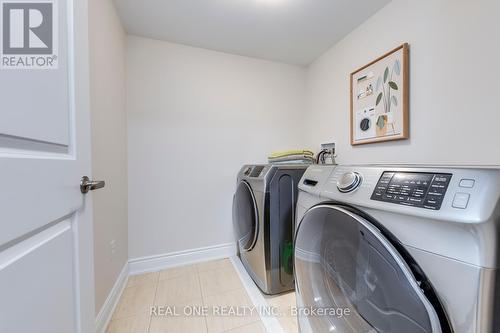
[{"x": 348, "y": 182}]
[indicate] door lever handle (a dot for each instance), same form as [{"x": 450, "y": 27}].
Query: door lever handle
[{"x": 89, "y": 185}]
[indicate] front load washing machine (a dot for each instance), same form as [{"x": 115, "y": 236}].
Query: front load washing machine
[
  {"x": 263, "y": 216},
  {"x": 398, "y": 249}
]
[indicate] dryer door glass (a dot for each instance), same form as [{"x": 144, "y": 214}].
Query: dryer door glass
[
  {"x": 245, "y": 216},
  {"x": 348, "y": 270}
]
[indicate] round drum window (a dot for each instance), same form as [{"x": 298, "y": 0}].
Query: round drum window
[
  {"x": 245, "y": 216},
  {"x": 345, "y": 266}
]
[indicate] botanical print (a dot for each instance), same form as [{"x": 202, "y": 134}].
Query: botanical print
[
  {"x": 387, "y": 84},
  {"x": 379, "y": 99}
]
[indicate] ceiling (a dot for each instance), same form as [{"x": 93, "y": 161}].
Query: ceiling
[{"x": 290, "y": 31}]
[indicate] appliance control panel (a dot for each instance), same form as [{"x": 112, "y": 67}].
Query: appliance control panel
[{"x": 418, "y": 189}]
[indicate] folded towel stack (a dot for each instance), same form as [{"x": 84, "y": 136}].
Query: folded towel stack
[{"x": 291, "y": 156}]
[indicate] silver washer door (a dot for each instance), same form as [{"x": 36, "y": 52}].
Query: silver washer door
[
  {"x": 245, "y": 217},
  {"x": 347, "y": 268}
]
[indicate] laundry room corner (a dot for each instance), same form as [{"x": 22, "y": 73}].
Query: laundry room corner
[{"x": 194, "y": 116}]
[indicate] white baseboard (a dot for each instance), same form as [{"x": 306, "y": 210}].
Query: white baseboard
[
  {"x": 104, "y": 316},
  {"x": 167, "y": 260}
]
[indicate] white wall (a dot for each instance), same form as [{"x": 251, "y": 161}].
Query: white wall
[
  {"x": 194, "y": 118},
  {"x": 454, "y": 81},
  {"x": 109, "y": 139}
]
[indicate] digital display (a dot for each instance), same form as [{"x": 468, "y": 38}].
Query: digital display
[{"x": 425, "y": 190}]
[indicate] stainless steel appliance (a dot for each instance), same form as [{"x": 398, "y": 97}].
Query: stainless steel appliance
[
  {"x": 263, "y": 216},
  {"x": 400, "y": 248}
]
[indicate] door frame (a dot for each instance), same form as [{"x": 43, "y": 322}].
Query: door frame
[{"x": 79, "y": 63}]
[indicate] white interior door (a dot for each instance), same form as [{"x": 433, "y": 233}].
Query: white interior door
[{"x": 46, "y": 260}]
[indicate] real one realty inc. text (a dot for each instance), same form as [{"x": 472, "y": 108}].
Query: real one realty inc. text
[{"x": 243, "y": 311}]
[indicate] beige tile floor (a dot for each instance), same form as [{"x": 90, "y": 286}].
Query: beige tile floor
[
  {"x": 284, "y": 303},
  {"x": 206, "y": 284}
]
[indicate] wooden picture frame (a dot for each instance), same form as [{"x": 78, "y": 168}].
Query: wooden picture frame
[{"x": 380, "y": 99}]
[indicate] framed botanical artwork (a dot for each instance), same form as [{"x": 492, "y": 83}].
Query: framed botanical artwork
[{"x": 379, "y": 99}]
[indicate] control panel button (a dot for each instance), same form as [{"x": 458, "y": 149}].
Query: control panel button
[
  {"x": 435, "y": 193},
  {"x": 461, "y": 200},
  {"x": 438, "y": 187},
  {"x": 402, "y": 198},
  {"x": 441, "y": 179},
  {"x": 468, "y": 183},
  {"x": 433, "y": 200},
  {"x": 416, "y": 201}
]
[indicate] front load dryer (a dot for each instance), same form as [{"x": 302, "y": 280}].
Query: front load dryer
[
  {"x": 263, "y": 216},
  {"x": 397, "y": 249}
]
